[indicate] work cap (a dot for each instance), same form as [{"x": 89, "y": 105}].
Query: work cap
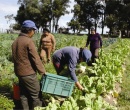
[
  {"x": 86, "y": 55},
  {"x": 29, "y": 24}
]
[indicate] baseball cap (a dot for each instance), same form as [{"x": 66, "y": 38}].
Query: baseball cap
[
  {"x": 86, "y": 55},
  {"x": 29, "y": 24}
]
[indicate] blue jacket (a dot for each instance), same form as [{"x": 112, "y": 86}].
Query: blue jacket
[{"x": 70, "y": 56}]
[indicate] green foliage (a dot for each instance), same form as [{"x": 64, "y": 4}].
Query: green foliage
[
  {"x": 99, "y": 79},
  {"x": 111, "y": 22},
  {"x": 7, "y": 76},
  {"x": 59, "y": 7},
  {"x": 123, "y": 99},
  {"x": 114, "y": 14},
  {"x": 75, "y": 25},
  {"x": 41, "y": 11},
  {"x": 109, "y": 41},
  {"x": 96, "y": 80},
  {"x": 6, "y": 103},
  {"x": 69, "y": 104},
  {"x": 107, "y": 69},
  {"x": 69, "y": 40},
  {"x": 87, "y": 13}
]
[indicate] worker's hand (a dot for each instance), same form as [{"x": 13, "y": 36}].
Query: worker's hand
[
  {"x": 44, "y": 74},
  {"x": 79, "y": 85},
  {"x": 42, "y": 77},
  {"x": 84, "y": 91}
]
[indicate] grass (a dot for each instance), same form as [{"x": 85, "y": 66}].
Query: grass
[{"x": 124, "y": 98}]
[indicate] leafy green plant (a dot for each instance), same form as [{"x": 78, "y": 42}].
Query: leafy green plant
[
  {"x": 97, "y": 80},
  {"x": 5, "y": 103}
]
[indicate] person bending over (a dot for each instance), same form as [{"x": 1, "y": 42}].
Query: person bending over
[{"x": 70, "y": 56}]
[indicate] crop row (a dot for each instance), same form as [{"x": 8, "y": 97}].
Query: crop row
[
  {"x": 7, "y": 76},
  {"x": 98, "y": 81}
]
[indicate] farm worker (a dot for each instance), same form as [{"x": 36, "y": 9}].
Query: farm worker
[
  {"x": 95, "y": 43},
  {"x": 47, "y": 45},
  {"x": 26, "y": 62},
  {"x": 70, "y": 56}
]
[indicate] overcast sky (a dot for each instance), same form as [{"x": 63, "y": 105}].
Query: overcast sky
[{"x": 8, "y": 7}]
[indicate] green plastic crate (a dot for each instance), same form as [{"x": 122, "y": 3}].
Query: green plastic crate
[{"x": 58, "y": 85}]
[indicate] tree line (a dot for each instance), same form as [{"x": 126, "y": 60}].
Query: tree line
[{"x": 115, "y": 14}]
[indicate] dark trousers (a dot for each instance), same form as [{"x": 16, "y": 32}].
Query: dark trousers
[
  {"x": 29, "y": 91},
  {"x": 58, "y": 64},
  {"x": 94, "y": 54}
]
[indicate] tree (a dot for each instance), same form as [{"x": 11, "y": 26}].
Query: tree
[
  {"x": 37, "y": 10},
  {"x": 46, "y": 13},
  {"x": 126, "y": 1},
  {"x": 42, "y": 11},
  {"x": 16, "y": 26},
  {"x": 21, "y": 15},
  {"x": 111, "y": 22},
  {"x": 28, "y": 10},
  {"x": 89, "y": 12},
  {"x": 82, "y": 12},
  {"x": 9, "y": 19},
  {"x": 124, "y": 21},
  {"x": 59, "y": 8},
  {"x": 74, "y": 25},
  {"x": 101, "y": 6},
  {"x": 113, "y": 9}
]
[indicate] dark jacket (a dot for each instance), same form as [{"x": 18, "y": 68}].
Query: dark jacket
[
  {"x": 95, "y": 41},
  {"x": 25, "y": 57},
  {"x": 69, "y": 56}
]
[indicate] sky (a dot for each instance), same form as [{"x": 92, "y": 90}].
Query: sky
[{"x": 8, "y": 7}]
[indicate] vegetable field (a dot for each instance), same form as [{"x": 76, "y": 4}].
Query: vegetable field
[{"x": 99, "y": 80}]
